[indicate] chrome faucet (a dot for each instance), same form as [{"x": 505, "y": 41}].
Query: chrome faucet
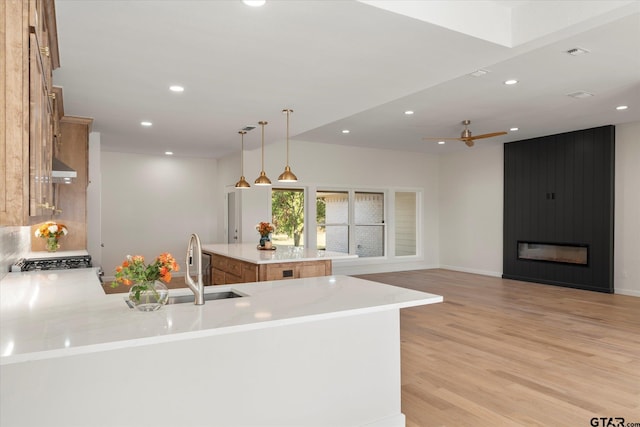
[{"x": 197, "y": 288}]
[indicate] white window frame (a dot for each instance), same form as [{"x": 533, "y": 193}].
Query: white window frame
[{"x": 310, "y": 225}]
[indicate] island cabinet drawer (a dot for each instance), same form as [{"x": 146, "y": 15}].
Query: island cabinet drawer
[
  {"x": 219, "y": 262},
  {"x": 234, "y": 267},
  {"x": 223, "y": 278},
  {"x": 295, "y": 270},
  {"x": 249, "y": 273},
  {"x": 314, "y": 269},
  {"x": 280, "y": 271},
  {"x": 228, "y": 270},
  {"x": 218, "y": 276},
  {"x": 232, "y": 278}
]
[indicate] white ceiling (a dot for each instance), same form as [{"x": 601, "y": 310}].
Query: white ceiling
[{"x": 343, "y": 65}]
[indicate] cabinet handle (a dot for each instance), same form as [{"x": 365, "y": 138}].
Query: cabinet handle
[
  {"x": 47, "y": 206},
  {"x": 45, "y": 51}
]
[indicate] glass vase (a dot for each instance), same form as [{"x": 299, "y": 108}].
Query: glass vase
[
  {"x": 148, "y": 296},
  {"x": 264, "y": 240},
  {"x": 52, "y": 244}
]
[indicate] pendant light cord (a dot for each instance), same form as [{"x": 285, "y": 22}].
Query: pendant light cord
[
  {"x": 242, "y": 152},
  {"x": 262, "y": 124},
  {"x": 288, "y": 111}
]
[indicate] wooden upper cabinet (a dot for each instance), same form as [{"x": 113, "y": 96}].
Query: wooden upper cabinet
[
  {"x": 29, "y": 46},
  {"x": 71, "y": 199}
]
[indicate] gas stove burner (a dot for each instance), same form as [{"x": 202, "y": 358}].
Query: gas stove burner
[{"x": 61, "y": 263}]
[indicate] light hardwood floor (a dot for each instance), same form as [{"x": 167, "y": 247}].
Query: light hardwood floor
[{"x": 507, "y": 353}]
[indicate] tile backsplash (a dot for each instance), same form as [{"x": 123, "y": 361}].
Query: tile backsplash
[{"x": 15, "y": 243}]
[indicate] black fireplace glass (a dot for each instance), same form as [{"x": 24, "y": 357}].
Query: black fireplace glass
[{"x": 554, "y": 252}]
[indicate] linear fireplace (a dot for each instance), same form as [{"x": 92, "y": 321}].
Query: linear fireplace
[
  {"x": 565, "y": 239},
  {"x": 554, "y": 252}
]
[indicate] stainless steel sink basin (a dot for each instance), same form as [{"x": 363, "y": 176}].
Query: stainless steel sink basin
[
  {"x": 181, "y": 299},
  {"x": 190, "y": 298}
]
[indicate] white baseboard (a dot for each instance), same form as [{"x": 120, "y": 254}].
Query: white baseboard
[
  {"x": 353, "y": 269},
  {"x": 472, "y": 270},
  {"x": 629, "y": 292},
  {"x": 393, "y": 421}
]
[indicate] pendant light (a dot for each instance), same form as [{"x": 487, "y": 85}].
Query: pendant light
[
  {"x": 262, "y": 179},
  {"x": 243, "y": 182},
  {"x": 287, "y": 175}
]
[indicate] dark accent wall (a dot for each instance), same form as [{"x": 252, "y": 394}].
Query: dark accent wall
[{"x": 559, "y": 189}]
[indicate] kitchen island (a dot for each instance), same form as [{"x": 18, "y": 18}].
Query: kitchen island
[
  {"x": 322, "y": 351},
  {"x": 244, "y": 262}
]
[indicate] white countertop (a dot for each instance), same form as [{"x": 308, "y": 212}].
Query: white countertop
[
  {"x": 57, "y": 254},
  {"x": 250, "y": 253},
  {"x": 62, "y": 313}
]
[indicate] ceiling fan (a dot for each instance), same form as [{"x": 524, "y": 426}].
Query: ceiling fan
[{"x": 466, "y": 136}]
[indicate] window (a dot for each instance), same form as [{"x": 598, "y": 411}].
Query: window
[
  {"x": 369, "y": 224},
  {"x": 343, "y": 217},
  {"x": 348, "y": 220},
  {"x": 332, "y": 220},
  {"x": 405, "y": 223},
  {"x": 287, "y": 215}
]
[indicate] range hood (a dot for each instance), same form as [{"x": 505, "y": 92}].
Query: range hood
[{"x": 62, "y": 173}]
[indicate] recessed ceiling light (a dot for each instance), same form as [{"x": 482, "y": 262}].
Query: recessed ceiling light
[
  {"x": 345, "y": 131},
  {"x": 254, "y": 3},
  {"x": 176, "y": 88},
  {"x": 621, "y": 107},
  {"x": 441, "y": 142},
  {"x": 146, "y": 124},
  {"x": 169, "y": 153},
  {"x": 408, "y": 112},
  {"x": 510, "y": 82},
  {"x": 513, "y": 129}
]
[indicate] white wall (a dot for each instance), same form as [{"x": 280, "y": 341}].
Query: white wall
[
  {"x": 94, "y": 201},
  {"x": 323, "y": 165},
  {"x": 471, "y": 189},
  {"x": 626, "y": 263},
  {"x": 152, "y": 204}
]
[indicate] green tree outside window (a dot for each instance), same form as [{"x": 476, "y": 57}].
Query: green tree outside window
[{"x": 287, "y": 211}]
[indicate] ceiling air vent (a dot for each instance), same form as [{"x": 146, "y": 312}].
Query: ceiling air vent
[
  {"x": 577, "y": 51},
  {"x": 248, "y": 128},
  {"x": 479, "y": 73}
]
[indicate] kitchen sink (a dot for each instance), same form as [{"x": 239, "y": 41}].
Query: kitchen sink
[
  {"x": 190, "y": 298},
  {"x": 181, "y": 299}
]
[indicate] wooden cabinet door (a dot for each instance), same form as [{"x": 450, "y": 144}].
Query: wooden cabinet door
[
  {"x": 314, "y": 269},
  {"x": 40, "y": 133},
  {"x": 281, "y": 271}
]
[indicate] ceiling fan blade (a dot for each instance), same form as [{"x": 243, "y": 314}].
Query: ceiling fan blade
[
  {"x": 441, "y": 139},
  {"x": 487, "y": 135}
]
